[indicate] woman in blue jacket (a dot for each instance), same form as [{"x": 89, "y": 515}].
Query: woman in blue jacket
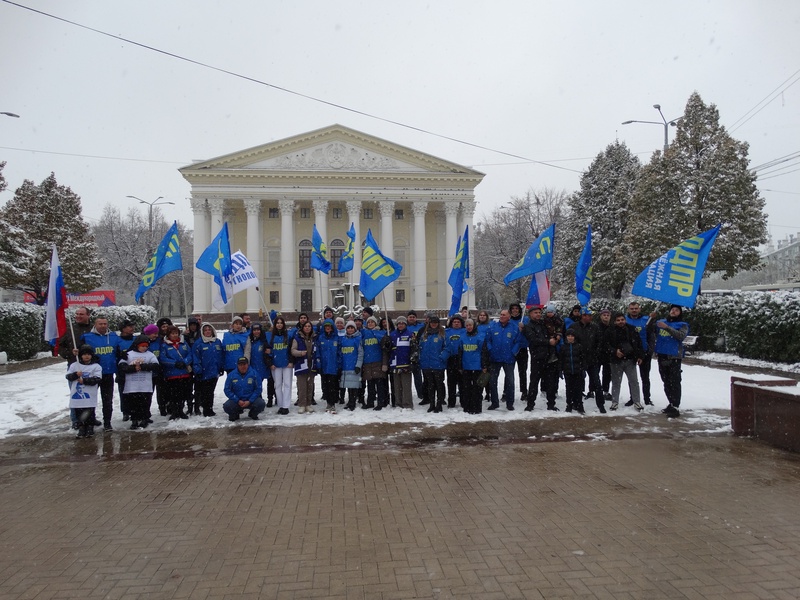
[
  {"x": 474, "y": 360},
  {"x": 280, "y": 363},
  {"x": 207, "y": 368},
  {"x": 351, "y": 355},
  {"x": 433, "y": 354},
  {"x": 327, "y": 363},
  {"x": 254, "y": 352},
  {"x": 176, "y": 365}
]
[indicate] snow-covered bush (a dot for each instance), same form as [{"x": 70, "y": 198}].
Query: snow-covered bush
[{"x": 21, "y": 330}]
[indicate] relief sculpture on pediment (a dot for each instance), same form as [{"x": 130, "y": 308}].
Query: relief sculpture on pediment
[{"x": 337, "y": 156}]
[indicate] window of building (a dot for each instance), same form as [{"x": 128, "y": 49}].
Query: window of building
[
  {"x": 337, "y": 213},
  {"x": 274, "y": 213},
  {"x": 399, "y": 295},
  {"x": 398, "y": 214},
  {"x": 304, "y": 260},
  {"x": 368, "y": 213},
  {"x": 305, "y": 213},
  {"x": 274, "y": 297},
  {"x": 273, "y": 263},
  {"x": 336, "y": 249}
]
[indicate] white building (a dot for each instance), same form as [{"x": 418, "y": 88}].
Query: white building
[{"x": 271, "y": 196}]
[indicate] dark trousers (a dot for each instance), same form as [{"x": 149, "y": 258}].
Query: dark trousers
[
  {"x": 522, "y": 369},
  {"x": 107, "y": 395},
  {"x": 138, "y": 403},
  {"x": 508, "y": 384},
  {"x": 537, "y": 379},
  {"x": 454, "y": 385},
  {"x": 271, "y": 390},
  {"x": 204, "y": 395},
  {"x": 644, "y": 375},
  {"x": 377, "y": 392},
  {"x": 574, "y": 386},
  {"x": 471, "y": 394},
  {"x": 433, "y": 381},
  {"x": 330, "y": 389},
  {"x": 418, "y": 387},
  {"x": 123, "y": 401},
  {"x": 593, "y": 371},
  {"x": 606, "y": 366},
  {"x": 176, "y": 393},
  {"x": 550, "y": 381},
  {"x": 670, "y": 371}
]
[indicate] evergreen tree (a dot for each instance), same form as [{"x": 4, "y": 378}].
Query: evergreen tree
[
  {"x": 45, "y": 214},
  {"x": 602, "y": 201},
  {"x": 11, "y": 250},
  {"x": 702, "y": 180}
]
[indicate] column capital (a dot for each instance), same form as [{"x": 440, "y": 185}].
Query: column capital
[
  {"x": 198, "y": 205},
  {"x": 419, "y": 208},
  {"x": 320, "y": 207},
  {"x": 451, "y": 209},
  {"x": 386, "y": 207},
  {"x": 286, "y": 206},
  {"x": 252, "y": 206},
  {"x": 468, "y": 209},
  {"x": 216, "y": 205},
  {"x": 353, "y": 206}
]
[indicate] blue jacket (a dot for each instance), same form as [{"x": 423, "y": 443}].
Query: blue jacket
[
  {"x": 640, "y": 325},
  {"x": 454, "y": 337},
  {"x": 280, "y": 346},
  {"x": 303, "y": 364},
  {"x": 257, "y": 356},
  {"x": 207, "y": 359},
  {"x": 371, "y": 340},
  {"x": 105, "y": 349},
  {"x": 243, "y": 387},
  {"x": 155, "y": 347},
  {"x": 351, "y": 353},
  {"x": 233, "y": 348},
  {"x": 170, "y": 356},
  {"x": 327, "y": 354},
  {"x": 474, "y": 355},
  {"x": 401, "y": 349},
  {"x": 433, "y": 349},
  {"x": 669, "y": 342},
  {"x": 503, "y": 342}
]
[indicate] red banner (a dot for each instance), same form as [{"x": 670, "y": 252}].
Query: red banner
[{"x": 96, "y": 298}]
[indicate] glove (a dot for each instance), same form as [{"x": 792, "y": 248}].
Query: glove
[
  {"x": 357, "y": 370},
  {"x": 384, "y": 368},
  {"x": 180, "y": 365}
]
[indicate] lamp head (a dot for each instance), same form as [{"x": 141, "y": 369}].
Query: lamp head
[{"x": 657, "y": 106}]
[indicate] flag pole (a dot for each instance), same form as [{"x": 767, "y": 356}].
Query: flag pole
[
  {"x": 385, "y": 312},
  {"x": 266, "y": 308}
]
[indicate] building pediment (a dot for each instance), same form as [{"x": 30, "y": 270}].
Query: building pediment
[{"x": 334, "y": 149}]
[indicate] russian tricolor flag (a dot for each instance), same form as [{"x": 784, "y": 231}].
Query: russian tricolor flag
[
  {"x": 55, "y": 323},
  {"x": 539, "y": 292}
]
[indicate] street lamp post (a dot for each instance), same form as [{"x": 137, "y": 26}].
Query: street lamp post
[
  {"x": 150, "y": 206},
  {"x": 665, "y": 123}
]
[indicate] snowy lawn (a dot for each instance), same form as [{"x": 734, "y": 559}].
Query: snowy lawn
[{"x": 35, "y": 403}]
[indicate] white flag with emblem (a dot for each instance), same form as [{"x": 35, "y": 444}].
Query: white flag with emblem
[{"x": 243, "y": 277}]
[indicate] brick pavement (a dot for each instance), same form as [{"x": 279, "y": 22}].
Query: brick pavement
[{"x": 644, "y": 516}]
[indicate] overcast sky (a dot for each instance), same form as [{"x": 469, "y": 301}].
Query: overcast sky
[{"x": 548, "y": 81}]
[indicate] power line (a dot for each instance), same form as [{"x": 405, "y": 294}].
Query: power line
[
  {"x": 777, "y": 91},
  {"x": 169, "y": 162},
  {"x": 286, "y": 90}
]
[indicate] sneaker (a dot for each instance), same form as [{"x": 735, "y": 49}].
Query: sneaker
[
  {"x": 90, "y": 431},
  {"x": 134, "y": 424},
  {"x": 509, "y": 406},
  {"x": 233, "y": 417},
  {"x": 638, "y": 406},
  {"x": 283, "y": 411},
  {"x": 331, "y": 410},
  {"x": 648, "y": 402},
  {"x": 493, "y": 407},
  {"x": 602, "y": 409},
  {"x": 95, "y": 423},
  {"x": 629, "y": 403},
  {"x": 589, "y": 395},
  {"x": 568, "y": 409},
  {"x": 81, "y": 433},
  {"x": 553, "y": 408},
  {"x": 253, "y": 415},
  {"x": 107, "y": 427},
  {"x": 614, "y": 405},
  {"x": 672, "y": 412}
]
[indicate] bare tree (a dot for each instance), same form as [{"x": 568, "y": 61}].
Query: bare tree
[{"x": 504, "y": 236}]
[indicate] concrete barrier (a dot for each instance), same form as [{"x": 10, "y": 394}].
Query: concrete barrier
[{"x": 768, "y": 409}]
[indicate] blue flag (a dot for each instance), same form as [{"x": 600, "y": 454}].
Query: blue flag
[
  {"x": 347, "y": 261},
  {"x": 583, "y": 271},
  {"x": 319, "y": 256},
  {"x": 539, "y": 257},
  {"x": 460, "y": 272},
  {"x": 216, "y": 261},
  {"x": 377, "y": 270},
  {"x": 165, "y": 259},
  {"x": 675, "y": 276}
]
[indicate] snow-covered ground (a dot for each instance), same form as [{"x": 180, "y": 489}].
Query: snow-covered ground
[{"x": 35, "y": 403}]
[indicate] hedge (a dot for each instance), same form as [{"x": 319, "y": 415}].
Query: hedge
[{"x": 22, "y": 325}]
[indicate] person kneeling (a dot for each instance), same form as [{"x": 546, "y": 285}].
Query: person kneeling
[{"x": 243, "y": 390}]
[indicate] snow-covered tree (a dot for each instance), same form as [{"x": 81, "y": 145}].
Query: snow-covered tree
[
  {"x": 11, "y": 249},
  {"x": 127, "y": 244},
  {"x": 703, "y": 179},
  {"x": 603, "y": 201},
  {"x": 504, "y": 236},
  {"x": 45, "y": 214}
]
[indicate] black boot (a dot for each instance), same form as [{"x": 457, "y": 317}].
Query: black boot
[{"x": 530, "y": 405}]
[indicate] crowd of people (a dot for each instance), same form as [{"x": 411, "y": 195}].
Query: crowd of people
[{"x": 371, "y": 363}]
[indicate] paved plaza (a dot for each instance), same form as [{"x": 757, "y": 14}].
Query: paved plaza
[{"x": 589, "y": 507}]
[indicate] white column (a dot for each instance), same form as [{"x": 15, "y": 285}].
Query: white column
[
  {"x": 354, "y": 216},
  {"x": 451, "y": 239},
  {"x": 288, "y": 254},
  {"x": 321, "y": 221},
  {"x": 217, "y": 207},
  {"x": 252, "y": 207},
  {"x": 386, "y": 208},
  {"x": 202, "y": 280},
  {"x": 419, "y": 275},
  {"x": 467, "y": 214}
]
